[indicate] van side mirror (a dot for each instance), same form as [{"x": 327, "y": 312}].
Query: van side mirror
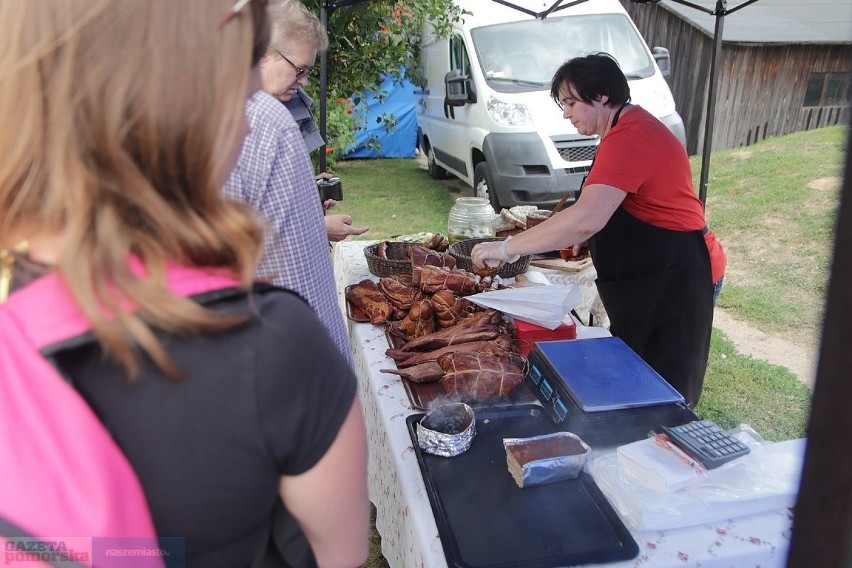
[
  {"x": 459, "y": 89},
  {"x": 664, "y": 62}
]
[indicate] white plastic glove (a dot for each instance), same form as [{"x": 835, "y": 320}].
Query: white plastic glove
[{"x": 492, "y": 254}]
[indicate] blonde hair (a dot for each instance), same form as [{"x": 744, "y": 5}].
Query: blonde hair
[
  {"x": 292, "y": 22},
  {"x": 113, "y": 113}
]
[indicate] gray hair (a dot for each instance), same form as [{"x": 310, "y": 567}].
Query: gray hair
[{"x": 293, "y": 22}]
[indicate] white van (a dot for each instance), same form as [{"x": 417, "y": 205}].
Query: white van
[{"x": 486, "y": 116}]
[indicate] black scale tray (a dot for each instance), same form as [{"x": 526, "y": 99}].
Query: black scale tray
[{"x": 485, "y": 520}]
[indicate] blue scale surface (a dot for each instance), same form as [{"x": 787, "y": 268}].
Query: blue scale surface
[{"x": 605, "y": 374}]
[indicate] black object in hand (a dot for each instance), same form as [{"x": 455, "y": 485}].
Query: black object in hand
[{"x": 330, "y": 189}]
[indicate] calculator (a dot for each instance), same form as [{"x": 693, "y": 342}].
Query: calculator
[{"x": 705, "y": 441}]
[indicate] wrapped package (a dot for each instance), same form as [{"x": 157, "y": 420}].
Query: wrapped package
[
  {"x": 765, "y": 480},
  {"x": 545, "y": 459}
]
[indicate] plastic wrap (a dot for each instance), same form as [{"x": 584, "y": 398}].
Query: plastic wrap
[{"x": 767, "y": 479}]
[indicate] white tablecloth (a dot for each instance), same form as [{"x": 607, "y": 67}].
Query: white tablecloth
[{"x": 404, "y": 515}]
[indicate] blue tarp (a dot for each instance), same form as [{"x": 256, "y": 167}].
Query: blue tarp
[{"x": 402, "y": 141}]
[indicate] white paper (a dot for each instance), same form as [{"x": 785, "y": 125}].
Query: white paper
[
  {"x": 545, "y": 306},
  {"x": 658, "y": 468}
]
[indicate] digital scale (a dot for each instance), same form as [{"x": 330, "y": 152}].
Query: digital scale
[{"x": 602, "y": 390}]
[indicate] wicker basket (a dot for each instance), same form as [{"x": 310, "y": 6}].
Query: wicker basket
[
  {"x": 461, "y": 252},
  {"x": 397, "y": 262}
]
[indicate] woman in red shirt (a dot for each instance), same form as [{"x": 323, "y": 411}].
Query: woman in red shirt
[{"x": 657, "y": 262}]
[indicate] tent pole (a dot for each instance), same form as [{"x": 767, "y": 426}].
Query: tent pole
[
  {"x": 323, "y": 89},
  {"x": 711, "y": 101}
]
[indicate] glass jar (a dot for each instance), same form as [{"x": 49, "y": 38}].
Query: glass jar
[{"x": 470, "y": 218}]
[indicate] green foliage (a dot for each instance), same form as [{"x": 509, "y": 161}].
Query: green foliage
[
  {"x": 341, "y": 124},
  {"x": 373, "y": 38},
  {"x": 367, "y": 41}
]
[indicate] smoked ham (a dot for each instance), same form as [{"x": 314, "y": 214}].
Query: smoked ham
[
  {"x": 449, "y": 308},
  {"x": 422, "y": 256},
  {"x": 452, "y": 335},
  {"x": 498, "y": 345},
  {"x": 367, "y": 297},
  {"x": 419, "y": 321},
  {"x": 426, "y": 372},
  {"x": 430, "y": 279},
  {"x": 481, "y": 326},
  {"x": 480, "y": 377},
  {"x": 401, "y": 295}
]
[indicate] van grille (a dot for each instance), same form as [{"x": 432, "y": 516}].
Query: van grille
[
  {"x": 578, "y": 170},
  {"x": 576, "y": 150}
]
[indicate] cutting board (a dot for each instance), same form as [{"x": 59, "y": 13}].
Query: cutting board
[{"x": 563, "y": 265}]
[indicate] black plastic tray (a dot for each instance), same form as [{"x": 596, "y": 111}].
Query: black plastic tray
[{"x": 485, "y": 520}]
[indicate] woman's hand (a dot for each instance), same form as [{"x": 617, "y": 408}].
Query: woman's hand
[{"x": 492, "y": 254}]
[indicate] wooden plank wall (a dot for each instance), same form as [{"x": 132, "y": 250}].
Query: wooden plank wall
[{"x": 760, "y": 89}]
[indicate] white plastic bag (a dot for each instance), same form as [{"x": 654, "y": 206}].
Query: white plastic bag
[
  {"x": 545, "y": 306},
  {"x": 768, "y": 479}
]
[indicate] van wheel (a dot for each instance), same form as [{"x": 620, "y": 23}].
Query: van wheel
[
  {"x": 435, "y": 171},
  {"x": 483, "y": 187}
]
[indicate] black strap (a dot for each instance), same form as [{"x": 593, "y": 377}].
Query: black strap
[
  {"x": 611, "y": 126},
  {"x": 617, "y": 116}
]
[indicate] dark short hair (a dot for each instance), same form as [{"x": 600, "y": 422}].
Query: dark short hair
[{"x": 591, "y": 77}]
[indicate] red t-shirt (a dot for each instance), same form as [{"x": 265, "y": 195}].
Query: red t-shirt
[{"x": 643, "y": 158}]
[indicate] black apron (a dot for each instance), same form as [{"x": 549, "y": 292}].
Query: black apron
[{"x": 656, "y": 287}]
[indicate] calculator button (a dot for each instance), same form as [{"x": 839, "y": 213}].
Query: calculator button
[{"x": 707, "y": 442}]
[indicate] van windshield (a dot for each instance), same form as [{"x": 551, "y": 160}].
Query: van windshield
[{"x": 525, "y": 55}]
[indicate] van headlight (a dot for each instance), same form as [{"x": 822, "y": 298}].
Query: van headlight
[{"x": 507, "y": 114}]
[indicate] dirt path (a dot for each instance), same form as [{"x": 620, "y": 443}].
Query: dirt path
[{"x": 776, "y": 350}]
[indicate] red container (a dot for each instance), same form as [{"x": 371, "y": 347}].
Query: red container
[{"x": 528, "y": 333}]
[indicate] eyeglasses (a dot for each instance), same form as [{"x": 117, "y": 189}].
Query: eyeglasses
[
  {"x": 300, "y": 72},
  {"x": 235, "y": 9},
  {"x": 564, "y": 102}
]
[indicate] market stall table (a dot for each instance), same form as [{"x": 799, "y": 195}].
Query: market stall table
[{"x": 404, "y": 516}]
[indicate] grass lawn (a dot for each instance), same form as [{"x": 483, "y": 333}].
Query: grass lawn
[
  {"x": 393, "y": 197},
  {"x": 773, "y": 207}
]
